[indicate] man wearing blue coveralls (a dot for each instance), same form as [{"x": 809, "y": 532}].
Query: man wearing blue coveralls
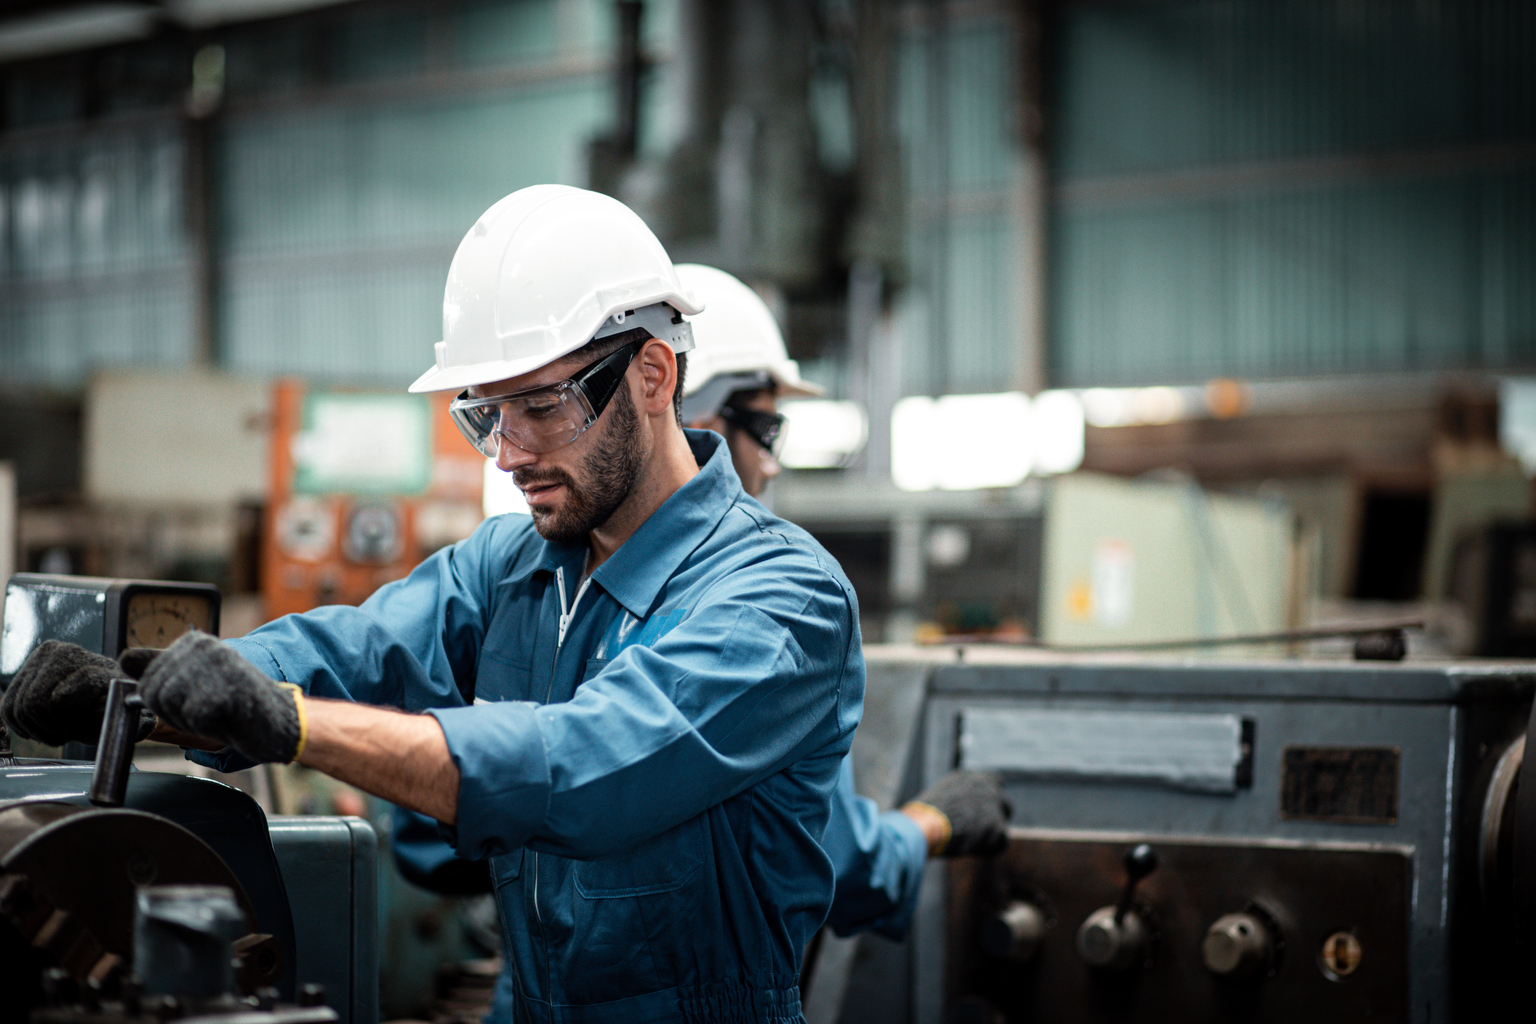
[
  {"x": 637, "y": 702},
  {"x": 737, "y": 371}
]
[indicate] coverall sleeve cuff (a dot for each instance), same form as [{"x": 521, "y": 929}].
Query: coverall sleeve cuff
[
  {"x": 914, "y": 844},
  {"x": 504, "y": 780},
  {"x": 907, "y": 836},
  {"x": 258, "y": 656},
  {"x": 228, "y": 760}
]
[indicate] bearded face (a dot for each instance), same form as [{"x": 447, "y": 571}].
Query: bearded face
[{"x": 600, "y": 483}]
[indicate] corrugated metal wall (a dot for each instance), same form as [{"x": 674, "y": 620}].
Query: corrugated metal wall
[
  {"x": 1293, "y": 187},
  {"x": 1244, "y": 187},
  {"x": 354, "y": 148},
  {"x": 94, "y": 269},
  {"x": 961, "y": 328}
]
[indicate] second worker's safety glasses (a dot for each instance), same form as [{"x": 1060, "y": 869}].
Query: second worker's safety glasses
[
  {"x": 766, "y": 428},
  {"x": 545, "y": 418}
]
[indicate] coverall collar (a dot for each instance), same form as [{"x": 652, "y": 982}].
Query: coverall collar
[{"x": 635, "y": 573}]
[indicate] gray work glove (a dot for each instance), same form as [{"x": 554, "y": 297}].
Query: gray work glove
[
  {"x": 977, "y": 810},
  {"x": 200, "y": 687},
  {"x": 60, "y": 694}
]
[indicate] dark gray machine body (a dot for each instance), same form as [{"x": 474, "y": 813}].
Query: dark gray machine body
[
  {"x": 311, "y": 881},
  {"x": 1353, "y": 811}
]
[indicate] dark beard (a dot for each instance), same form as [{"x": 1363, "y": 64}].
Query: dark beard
[{"x": 611, "y": 470}]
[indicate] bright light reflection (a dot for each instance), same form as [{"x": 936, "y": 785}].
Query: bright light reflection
[
  {"x": 1107, "y": 407},
  {"x": 1056, "y": 421},
  {"x": 501, "y": 494},
  {"x": 961, "y": 442},
  {"x": 822, "y": 434},
  {"x": 1158, "y": 405}
]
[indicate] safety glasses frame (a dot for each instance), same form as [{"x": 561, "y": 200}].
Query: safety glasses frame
[
  {"x": 766, "y": 428},
  {"x": 596, "y": 384}
]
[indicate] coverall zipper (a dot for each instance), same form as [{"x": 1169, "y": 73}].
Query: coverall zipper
[{"x": 566, "y": 614}]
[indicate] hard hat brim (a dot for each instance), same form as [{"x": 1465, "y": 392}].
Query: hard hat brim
[{"x": 658, "y": 318}]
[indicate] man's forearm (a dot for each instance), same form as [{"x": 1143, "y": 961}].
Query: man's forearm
[{"x": 401, "y": 757}]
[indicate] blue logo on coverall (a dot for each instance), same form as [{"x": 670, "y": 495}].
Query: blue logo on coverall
[{"x": 623, "y": 633}]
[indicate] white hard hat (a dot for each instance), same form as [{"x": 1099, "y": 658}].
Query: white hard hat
[
  {"x": 543, "y": 272},
  {"x": 739, "y": 346}
]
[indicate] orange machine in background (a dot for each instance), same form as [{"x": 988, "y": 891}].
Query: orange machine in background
[{"x": 364, "y": 485}]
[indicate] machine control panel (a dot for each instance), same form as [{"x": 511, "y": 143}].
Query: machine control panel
[{"x": 1078, "y": 926}]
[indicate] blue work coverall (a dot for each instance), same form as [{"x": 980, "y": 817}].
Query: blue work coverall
[
  {"x": 647, "y": 759},
  {"x": 877, "y": 858}
]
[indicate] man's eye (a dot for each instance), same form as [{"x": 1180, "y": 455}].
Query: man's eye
[{"x": 543, "y": 410}]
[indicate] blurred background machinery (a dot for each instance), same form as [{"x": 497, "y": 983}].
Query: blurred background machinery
[
  {"x": 363, "y": 484},
  {"x": 1208, "y": 841}
]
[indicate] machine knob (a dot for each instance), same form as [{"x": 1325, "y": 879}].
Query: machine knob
[
  {"x": 1015, "y": 932},
  {"x": 1111, "y": 942},
  {"x": 1115, "y": 938},
  {"x": 1237, "y": 946}
]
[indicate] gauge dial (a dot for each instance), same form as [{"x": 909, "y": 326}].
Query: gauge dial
[{"x": 158, "y": 620}]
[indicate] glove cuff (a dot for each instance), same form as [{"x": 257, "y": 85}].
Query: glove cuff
[
  {"x": 147, "y": 723},
  {"x": 949, "y": 829},
  {"x": 303, "y": 713}
]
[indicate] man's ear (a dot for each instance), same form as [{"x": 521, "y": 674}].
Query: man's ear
[{"x": 658, "y": 377}]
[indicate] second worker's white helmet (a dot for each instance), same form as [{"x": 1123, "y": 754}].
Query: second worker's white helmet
[{"x": 738, "y": 346}]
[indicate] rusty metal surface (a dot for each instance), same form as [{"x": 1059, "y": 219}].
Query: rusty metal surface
[{"x": 1313, "y": 890}]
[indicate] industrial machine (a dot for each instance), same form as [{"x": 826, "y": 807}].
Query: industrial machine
[
  {"x": 1215, "y": 841},
  {"x": 135, "y": 896},
  {"x": 1204, "y": 840}
]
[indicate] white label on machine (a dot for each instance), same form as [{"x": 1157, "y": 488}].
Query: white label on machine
[
  {"x": 1198, "y": 752},
  {"x": 1114, "y": 583}
]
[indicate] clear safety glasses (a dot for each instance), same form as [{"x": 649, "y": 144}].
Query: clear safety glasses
[
  {"x": 544, "y": 418},
  {"x": 766, "y": 428}
]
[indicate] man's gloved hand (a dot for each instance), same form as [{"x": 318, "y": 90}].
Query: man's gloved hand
[
  {"x": 975, "y": 809},
  {"x": 60, "y": 694},
  {"x": 200, "y": 687}
]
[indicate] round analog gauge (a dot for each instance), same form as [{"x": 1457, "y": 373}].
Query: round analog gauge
[
  {"x": 158, "y": 620},
  {"x": 375, "y": 534}
]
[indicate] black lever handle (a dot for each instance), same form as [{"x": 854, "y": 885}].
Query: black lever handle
[
  {"x": 1140, "y": 861},
  {"x": 114, "y": 750}
]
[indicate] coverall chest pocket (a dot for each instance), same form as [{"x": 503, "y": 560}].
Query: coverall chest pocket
[
  {"x": 500, "y": 676},
  {"x": 660, "y": 864}
]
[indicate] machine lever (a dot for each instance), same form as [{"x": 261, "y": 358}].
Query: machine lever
[
  {"x": 1140, "y": 861},
  {"x": 1118, "y": 937},
  {"x": 114, "y": 750}
]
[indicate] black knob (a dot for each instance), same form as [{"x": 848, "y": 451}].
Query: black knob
[{"x": 1140, "y": 861}]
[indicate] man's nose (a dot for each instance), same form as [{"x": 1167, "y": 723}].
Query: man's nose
[
  {"x": 509, "y": 456},
  {"x": 771, "y": 466}
]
